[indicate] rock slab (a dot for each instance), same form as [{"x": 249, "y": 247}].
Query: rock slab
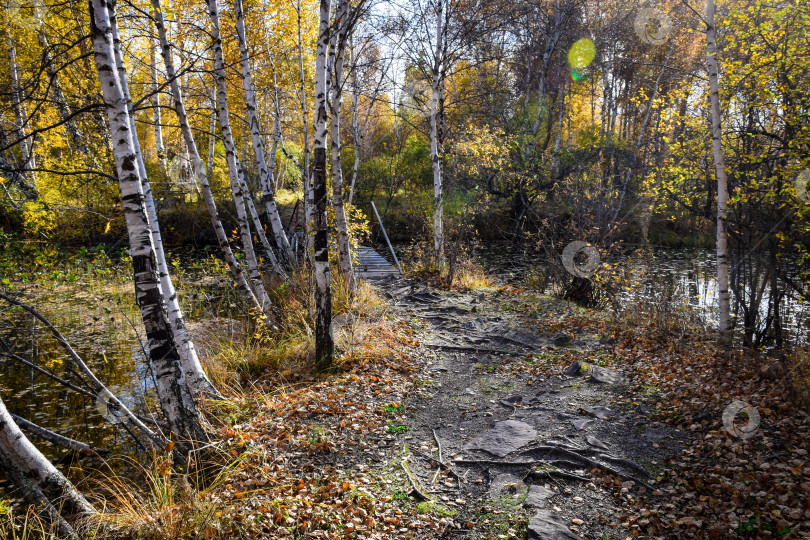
[
  {"x": 504, "y": 437},
  {"x": 547, "y": 525},
  {"x": 537, "y": 496},
  {"x": 603, "y": 375}
]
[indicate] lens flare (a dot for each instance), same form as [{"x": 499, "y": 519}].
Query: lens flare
[
  {"x": 653, "y": 26},
  {"x": 582, "y": 53}
]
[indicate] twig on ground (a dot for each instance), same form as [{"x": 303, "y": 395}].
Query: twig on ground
[{"x": 417, "y": 493}]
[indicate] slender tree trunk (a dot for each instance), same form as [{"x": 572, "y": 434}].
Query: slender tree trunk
[
  {"x": 198, "y": 166},
  {"x": 265, "y": 178},
  {"x": 306, "y": 175},
  {"x": 436, "y": 91},
  {"x": 160, "y": 151},
  {"x": 235, "y": 173},
  {"x": 212, "y": 139},
  {"x": 324, "y": 344},
  {"x": 358, "y": 138},
  {"x": 274, "y": 148},
  {"x": 27, "y": 490},
  {"x": 195, "y": 375},
  {"x": 20, "y": 117},
  {"x": 176, "y": 401},
  {"x": 21, "y": 456},
  {"x": 720, "y": 172},
  {"x": 338, "y": 47}
]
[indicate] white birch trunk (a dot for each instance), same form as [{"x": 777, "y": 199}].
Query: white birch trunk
[
  {"x": 20, "y": 117},
  {"x": 338, "y": 47},
  {"x": 195, "y": 374},
  {"x": 436, "y": 90},
  {"x": 265, "y": 177},
  {"x": 212, "y": 139},
  {"x": 305, "y": 171},
  {"x": 324, "y": 344},
  {"x": 234, "y": 167},
  {"x": 160, "y": 152},
  {"x": 23, "y": 456},
  {"x": 720, "y": 172},
  {"x": 175, "y": 398},
  {"x": 198, "y": 166},
  {"x": 358, "y": 138}
]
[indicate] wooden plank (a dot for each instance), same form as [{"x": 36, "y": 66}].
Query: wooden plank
[{"x": 372, "y": 265}]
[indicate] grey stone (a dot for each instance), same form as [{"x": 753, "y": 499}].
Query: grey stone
[
  {"x": 547, "y": 525},
  {"x": 593, "y": 441},
  {"x": 574, "y": 368},
  {"x": 583, "y": 423},
  {"x": 603, "y": 375},
  {"x": 602, "y": 413},
  {"x": 537, "y": 496},
  {"x": 504, "y": 437}
]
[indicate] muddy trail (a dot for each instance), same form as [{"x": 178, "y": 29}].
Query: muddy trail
[{"x": 504, "y": 453}]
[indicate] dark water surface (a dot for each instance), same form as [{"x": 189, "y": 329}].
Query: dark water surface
[{"x": 686, "y": 276}]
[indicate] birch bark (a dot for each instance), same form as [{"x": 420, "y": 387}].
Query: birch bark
[
  {"x": 265, "y": 176},
  {"x": 20, "y": 117},
  {"x": 198, "y": 166},
  {"x": 20, "y": 454},
  {"x": 720, "y": 172},
  {"x": 338, "y": 47},
  {"x": 176, "y": 401},
  {"x": 305, "y": 171},
  {"x": 195, "y": 374},
  {"x": 436, "y": 91},
  {"x": 156, "y": 113},
  {"x": 324, "y": 344},
  {"x": 234, "y": 167}
]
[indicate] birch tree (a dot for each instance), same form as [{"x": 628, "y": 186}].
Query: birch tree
[
  {"x": 235, "y": 173},
  {"x": 197, "y": 164},
  {"x": 265, "y": 176},
  {"x": 437, "y": 70},
  {"x": 22, "y": 459},
  {"x": 338, "y": 50},
  {"x": 324, "y": 343},
  {"x": 20, "y": 116},
  {"x": 175, "y": 398},
  {"x": 720, "y": 173},
  {"x": 197, "y": 379},
  {"x": 160, "y": 152}
]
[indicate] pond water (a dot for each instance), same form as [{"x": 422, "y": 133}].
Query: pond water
[
  {"x": 94, "y": 308},
  {"x": 100, "y": 330},
  {"x": 683, "y": 275}
]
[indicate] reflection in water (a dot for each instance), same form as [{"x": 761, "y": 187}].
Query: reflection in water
[
  {"x": 686, "y": 275},
  {"x": 106, "y": 340}
]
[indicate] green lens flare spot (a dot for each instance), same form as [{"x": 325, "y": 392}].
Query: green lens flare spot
[{"x": 582, "y": 53}]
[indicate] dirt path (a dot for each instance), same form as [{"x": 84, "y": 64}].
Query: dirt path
[{"x": 548, "y": 457}]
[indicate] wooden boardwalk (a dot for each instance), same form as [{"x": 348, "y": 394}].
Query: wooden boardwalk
[{"x": 372, "y": 265}]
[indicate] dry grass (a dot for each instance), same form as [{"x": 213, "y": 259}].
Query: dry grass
[
  {"x": 462, "y": 272},
  {"x": 237, "y": 354}
]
